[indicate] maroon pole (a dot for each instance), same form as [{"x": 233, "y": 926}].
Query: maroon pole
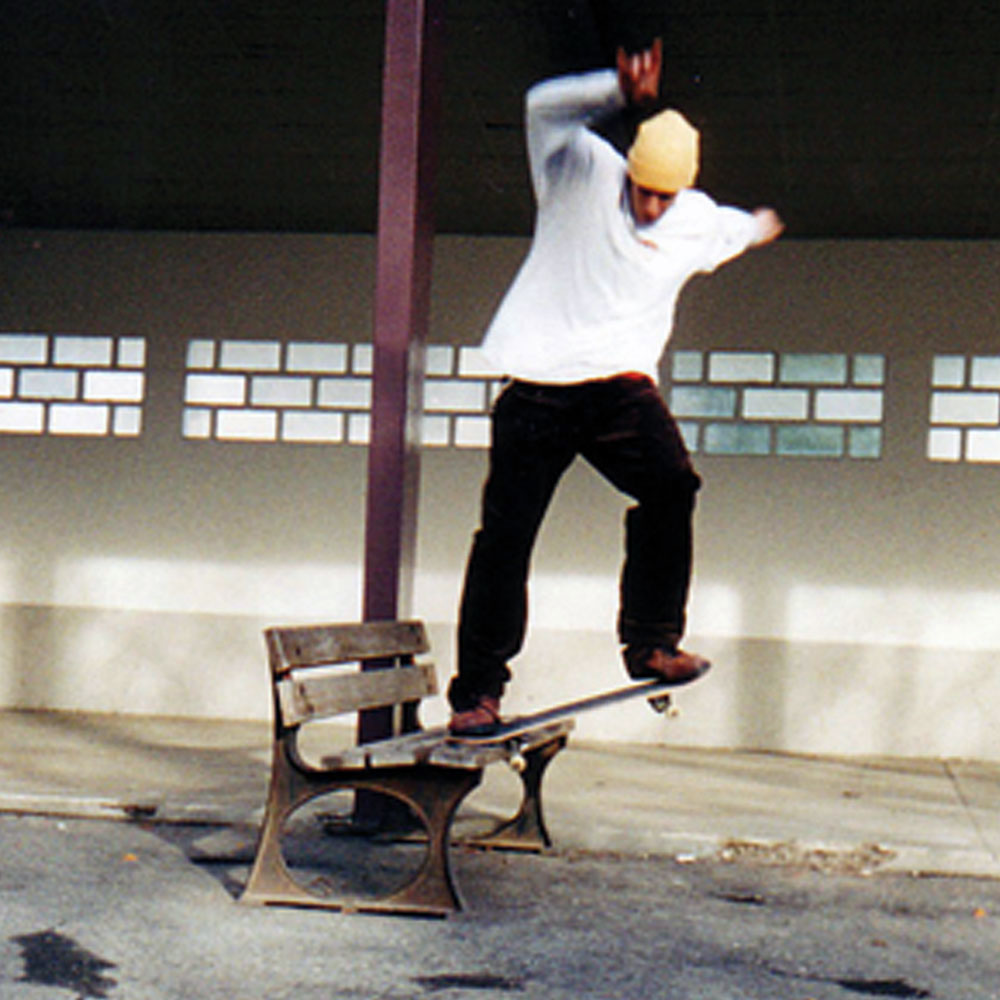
[{"x": 412, "y": 80}]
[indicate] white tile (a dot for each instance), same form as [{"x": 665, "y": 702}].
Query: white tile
[
  {"x": 132, "y": 352},
  {"x": 78, "y": 418},
  {"x": 472, "y": 363},
  {"x": 197, "y": 423},
  {"x": 472, "y": 432},
  {"x": 201, "y": 354},
  {"x": 329, "y": 359},
  {"x": 435, "y": 431},
  {"x": 280, "y": 390},
  {"x": 83, "y": 350},
  {"x": 114, "y": 386},
  {"x": 869, "y": 369},
  {"x": 965, "y": 408},
  {"x": 948, "y": 371},
  {"x": 359, "y": 429},
  {"x": 864, "y": 442},
  {"x": 944, "y": 444},
  {"x": 440, "y": 360},
  {"x": 345, "y": 393},
  {"x": 250, "y": 355},
  {"x": 362, "y": 359},
  {"x": 740, "y": 366},
  {"x": 47, "y": 383},
  {"x": 737, "y": 439},
  {"x": 23, "y": 348},
  {"x": 687, "y": 366},
  {"x": 455, "y": 395},
  {"x": 22, "y": 418},
  {"x": 985, "y": 373},
  {"x": 215, "y": 390},
  {"x": 312, "y": 427},
  {"x": 246, "y": 425},
  {"x": 810, "y": 441},
  {"x": 775, "y": 404},
  {"x": 814, "y": 369},
  {"x": 849, "y": 405},
  {"x": 983, "y": 446},
  {"x": 702, "y": 401},
  {"x": 127, "y": 421}
]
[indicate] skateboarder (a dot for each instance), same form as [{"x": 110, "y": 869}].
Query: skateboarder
[{"x": 579, "y": 335}]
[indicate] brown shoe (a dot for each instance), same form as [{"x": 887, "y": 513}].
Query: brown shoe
[
  {"x": 481, "y": 720},
  {"x": 673, "y": 666}
]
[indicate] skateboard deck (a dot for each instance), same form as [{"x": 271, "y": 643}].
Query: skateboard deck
[{"x": 656, "y": 691}]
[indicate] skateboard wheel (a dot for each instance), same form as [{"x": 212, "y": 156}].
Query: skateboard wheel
[{"x": 518, "y": 763}]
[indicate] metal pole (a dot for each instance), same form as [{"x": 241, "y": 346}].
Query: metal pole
[{"x": 412, "y": 83}]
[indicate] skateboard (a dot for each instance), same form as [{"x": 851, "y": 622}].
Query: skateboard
[{"x": 657, "y": 692}]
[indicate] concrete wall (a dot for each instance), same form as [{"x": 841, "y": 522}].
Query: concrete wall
[{"x": 850, "y": 603}]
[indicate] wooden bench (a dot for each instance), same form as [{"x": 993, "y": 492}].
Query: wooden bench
[{"x": 323, "y": 671}]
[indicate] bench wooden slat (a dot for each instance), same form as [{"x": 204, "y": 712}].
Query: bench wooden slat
[
  {"x": 431, "y": 747},
  {"x": 315, "y": 645},
  {"x": 451, "y": 754},
  {"x": 317, "y": 697},
  {"x": 409, "y": 750}
]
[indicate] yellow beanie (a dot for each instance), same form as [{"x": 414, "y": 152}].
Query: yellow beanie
[{"x": 664, "y": 156}]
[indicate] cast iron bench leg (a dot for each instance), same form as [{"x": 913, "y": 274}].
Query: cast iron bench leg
[
  {"x": 525, "y": 831},
  {"x": 434, "y": 794}
]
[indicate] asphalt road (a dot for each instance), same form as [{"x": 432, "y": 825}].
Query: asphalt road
[{"x": 97, "y": 909}]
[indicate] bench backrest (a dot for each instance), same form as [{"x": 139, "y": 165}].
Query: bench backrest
[{"x": 312, "y": 680}]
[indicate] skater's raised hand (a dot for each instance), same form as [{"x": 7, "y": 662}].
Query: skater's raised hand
[{"x": 639, "y": 73}]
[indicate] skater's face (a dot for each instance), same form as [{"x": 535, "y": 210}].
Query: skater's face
[{"x": 646, "y": 204}]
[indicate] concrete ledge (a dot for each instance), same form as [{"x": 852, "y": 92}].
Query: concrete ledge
[{"x": 864, "y": 815}]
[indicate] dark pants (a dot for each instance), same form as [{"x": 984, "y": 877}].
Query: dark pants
[{"x": 623, "y": 428}]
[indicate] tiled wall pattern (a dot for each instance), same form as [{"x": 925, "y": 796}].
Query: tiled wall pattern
[
  {"x": 727, "y": 402},
  {"x": 321, "y": 393},
  {"x": 71, "y": 385},
  {"x": 965, "y": 409},
  {"x": 765, "y": 403}
]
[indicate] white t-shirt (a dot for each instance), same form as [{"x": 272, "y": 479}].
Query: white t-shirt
[{"x": 595, "y": 296}]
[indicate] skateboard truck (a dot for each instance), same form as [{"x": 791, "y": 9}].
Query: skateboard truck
[
  {"x": 664, "y": 705},
  {"x": 526, "y": 830}
]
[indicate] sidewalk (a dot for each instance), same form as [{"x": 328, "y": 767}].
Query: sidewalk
[{"x": 922, "y": 816}]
